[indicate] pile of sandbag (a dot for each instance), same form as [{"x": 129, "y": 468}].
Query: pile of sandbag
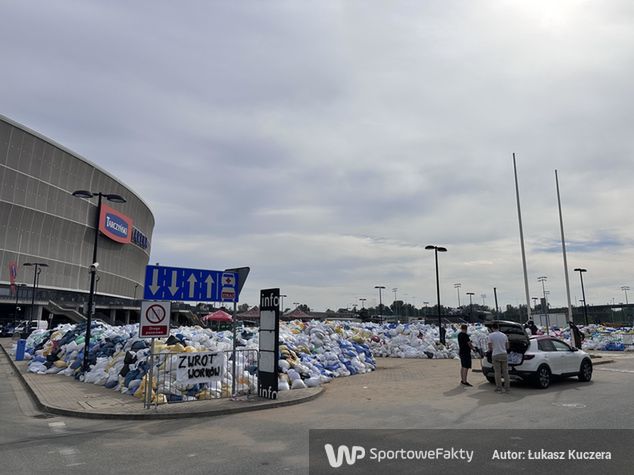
[
  {"x": 596, "y": 337},
  {"x": 601, "y": 338},
  {"x": 315, "y": 352},
  {"x": 409, "y": 340},
  {"x": 310, "y": 354}
]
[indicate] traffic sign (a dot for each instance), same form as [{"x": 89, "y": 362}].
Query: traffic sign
[
  {"x": 175, "y": 283},
  {"x": 155, "y": 319}
]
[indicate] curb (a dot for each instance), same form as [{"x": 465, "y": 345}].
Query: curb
[{"x": 151, "y": 415}]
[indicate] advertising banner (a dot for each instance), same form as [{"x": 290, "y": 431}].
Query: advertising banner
[
  {"x": 13, "y": 273},
  {"x": 115, "y": 225}
]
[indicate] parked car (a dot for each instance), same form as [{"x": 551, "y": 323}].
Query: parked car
[
  {"x": 25, "y": 328},
  {"x": 539, "y": 359},
  {"x": 7, "y": 329}
]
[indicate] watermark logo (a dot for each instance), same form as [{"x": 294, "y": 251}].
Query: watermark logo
[{"x": 350, "y": 454}]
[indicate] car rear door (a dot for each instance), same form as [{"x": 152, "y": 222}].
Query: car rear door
[{"x": 569, "y": 358}]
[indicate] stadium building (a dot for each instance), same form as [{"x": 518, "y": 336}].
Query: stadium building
[{"x": 41, "y": 222}]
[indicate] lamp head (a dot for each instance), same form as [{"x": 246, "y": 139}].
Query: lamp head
[
  {"x": 115, "y": 198},
  {"x": 83, "y": 194}
]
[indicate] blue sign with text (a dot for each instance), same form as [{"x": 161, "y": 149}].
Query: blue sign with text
[{"x": 175, "y": 283}]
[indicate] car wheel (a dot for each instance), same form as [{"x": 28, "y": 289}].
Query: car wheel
[
  {"x": 585, "y": 372},
  {"x": 543, "y": 377}
]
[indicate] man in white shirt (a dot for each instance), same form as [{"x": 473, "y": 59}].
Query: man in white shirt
[{"x": 498, "y": 345}]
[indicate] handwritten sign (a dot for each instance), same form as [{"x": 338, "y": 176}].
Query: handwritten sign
[{"x": 192, "y": 368}]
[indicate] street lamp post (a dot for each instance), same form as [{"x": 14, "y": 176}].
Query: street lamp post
[
  {"x": 625, "y": 288},
  {"x": 363, "y": 303},
  {"x": 471, "y": 294},
  {"x": 543, "y": 279},
  {"x": 438, "y": 249},
  {"x": 535, "y": 299},
  {"x": 395, "y": 290},
  {"x": 380, "y": 287},
  {"x": 457, "y": 287},
  {"x": 93, "y": 266},
  {"x": 37, "y": 268},
  {"x": 17, "y": 296},
  {"x": 282, "y": 301},
  {"x": 583, "y": 293}
]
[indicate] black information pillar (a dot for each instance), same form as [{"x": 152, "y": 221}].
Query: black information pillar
[{"x": 269, "y": 342}]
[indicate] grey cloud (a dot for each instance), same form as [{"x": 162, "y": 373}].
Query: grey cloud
[{"x": 324, "y": 143}]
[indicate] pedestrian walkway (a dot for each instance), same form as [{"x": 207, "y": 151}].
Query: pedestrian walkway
[{"x": 63, "y": 395}]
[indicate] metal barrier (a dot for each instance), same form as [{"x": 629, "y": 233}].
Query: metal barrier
[{"x": 171, "y": 378}]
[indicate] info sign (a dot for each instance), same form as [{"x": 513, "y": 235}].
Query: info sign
[
  {"x": 155, "y": 319},
  {"x": 193, "y": 368},
  {"x": 269, "y": 343}
]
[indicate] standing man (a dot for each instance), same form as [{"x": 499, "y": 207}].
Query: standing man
[
  {"x": 498, "y": 345},
  {"x": 575, "y": 335},
  {"x": 464, "y": 351}
]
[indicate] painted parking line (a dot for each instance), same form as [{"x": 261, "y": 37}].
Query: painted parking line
[
  {"x": 69, "y": 454},
  {"x": 615, "y": 370},
  {"x": 57, "y": 427}
]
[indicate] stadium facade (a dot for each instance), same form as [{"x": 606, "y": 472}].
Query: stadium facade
[{"x": 42, "y": 222}]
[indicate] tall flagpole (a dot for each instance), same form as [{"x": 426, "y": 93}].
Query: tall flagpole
[
  {"x": 519, "y": 217},
  {"x": 563, "y": 248}
]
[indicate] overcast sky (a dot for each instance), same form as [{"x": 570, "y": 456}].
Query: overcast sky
[{"x": 324, "y": 144}]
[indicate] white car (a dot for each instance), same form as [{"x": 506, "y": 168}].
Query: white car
[{"x": 540, "y": 359}]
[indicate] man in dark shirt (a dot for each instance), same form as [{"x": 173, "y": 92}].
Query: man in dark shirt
[
  {"x": 575, "y": 335},
  {"x": 464, "y": 351}
]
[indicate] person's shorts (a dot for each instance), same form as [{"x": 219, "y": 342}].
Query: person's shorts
[{"x": 465, "y": 361}]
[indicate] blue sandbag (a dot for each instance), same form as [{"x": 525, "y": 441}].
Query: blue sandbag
[
  {"x": 132, "y": 375},
  {"x": 139, "y": 345}
]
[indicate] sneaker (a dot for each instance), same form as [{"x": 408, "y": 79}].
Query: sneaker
[{"x": 468, "y": 384}]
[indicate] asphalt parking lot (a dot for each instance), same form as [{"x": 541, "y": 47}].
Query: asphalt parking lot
[{"x": 400, "y": 394}]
